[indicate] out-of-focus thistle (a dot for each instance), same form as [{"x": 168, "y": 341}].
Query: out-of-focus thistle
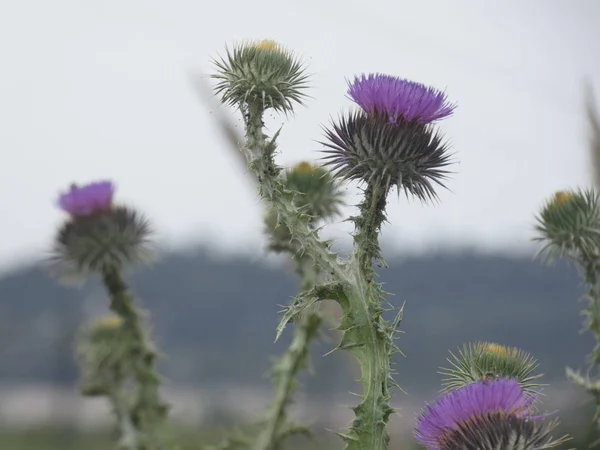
[
  {"x": 318, "y": 195},
  {"x": 568, "y": 225},
  {"x": 389, "y": 143},
  {"x": 100, "y": 237},
  {"x": 487, "y": 360},
  {"x": 486, "y": 415},
  {"x": 103, "y": 355}
]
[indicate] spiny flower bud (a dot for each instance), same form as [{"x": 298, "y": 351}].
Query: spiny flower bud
[
  {"x": 98, "y": 234},
  {"x": 263, "y": 73},
  {"x": 390, "y": 142},
  {"x": 488, "y": 361},
  {"x": 103, "y": 355},
  {"x": 569, "y": 223},
  {"x": 486, "y": 415},
  {"x": 316, "y": 194}
]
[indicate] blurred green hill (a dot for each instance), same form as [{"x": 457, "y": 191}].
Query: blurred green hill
[{"x": 215, "y": 317}]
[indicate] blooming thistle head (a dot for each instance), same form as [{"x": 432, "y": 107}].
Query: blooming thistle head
[
  {"x": 99, "y": 235},
  {"x": 569, "y": 224},
  {"x": 486, "y": 415},
  {"x": 398, "y": 99},
  {"x": 316, "y": 193},
  {"x": 487, "y": 360},
  {"x": 262, "y": 73},
  {"x": 390, "y": 141}
]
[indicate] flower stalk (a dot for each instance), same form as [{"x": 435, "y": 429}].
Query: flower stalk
[{"x": 148, "y": 413}]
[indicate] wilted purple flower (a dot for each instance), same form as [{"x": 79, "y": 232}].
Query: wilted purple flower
[
  {"x": 86, "y": 200},
  {"x": 397, "y": 98},
  {"x": 463, "y": 405}
]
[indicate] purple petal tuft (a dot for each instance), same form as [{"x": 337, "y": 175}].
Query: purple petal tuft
[
  {"x": 467, "y": 403},
  {"x": 397, "y": 98},
  {"x": 86, "y": 200}
]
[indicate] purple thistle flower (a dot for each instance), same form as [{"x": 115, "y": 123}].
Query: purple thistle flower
[
  {"x": 438, "y": 421},
  {"x": 86, "y": 200},
  {"x": 396, "y": 98}
]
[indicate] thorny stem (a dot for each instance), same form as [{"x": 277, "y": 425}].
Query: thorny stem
[
  {"x": 366, "y": 334},
  {"x": 285, "y": 371},
  {"x": 128, "y": 435},
  {"x": 148, "y": 412}
]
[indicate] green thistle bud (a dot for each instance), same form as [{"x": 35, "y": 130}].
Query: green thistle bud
[
  {"x": 103, "y": 355},
  {"x": 488, "y": 361},
  {"x": 317, "y": 194},
  {"x": 261, "y": 72},
  {"x": 569, "y": 224}
]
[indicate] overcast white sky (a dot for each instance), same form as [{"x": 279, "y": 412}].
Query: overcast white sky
[{"x": 100, "y": 89}]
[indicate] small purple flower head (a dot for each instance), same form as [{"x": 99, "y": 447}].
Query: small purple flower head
[
  {"x": 86, "y": 200},
  {"x": 399, "y": 99}
]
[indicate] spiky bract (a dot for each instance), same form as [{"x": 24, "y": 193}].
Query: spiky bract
[
  {"x": 499, "y": 432},
  {"x": 103, "y": 355},
  {"x": 408, "y": 155},
  {"x": 569, "y": 225},
  {"x": 261, "y": 72},
  {"x": 481, "y": 415},
  {"x": 399, "y": 99},
  {"x": 109, "y": 239},
  {"x": 485, "y": 360}
]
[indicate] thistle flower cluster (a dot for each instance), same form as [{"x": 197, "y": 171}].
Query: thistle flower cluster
[{"x": 488, "y": 404}]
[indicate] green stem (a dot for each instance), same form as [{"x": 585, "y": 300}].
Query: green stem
[
  {"x": 285, "y": 371},
  {"x": 128, "y": 434},
  {"x": 259, "y": 152},
  {"x": 148, "y": 413},
  {"x": 366, "y": 335}
]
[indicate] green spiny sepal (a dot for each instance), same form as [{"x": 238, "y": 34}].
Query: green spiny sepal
[
  {"x": 484, "y": 360},
  {"x": 112, "y": 238},
  {"x": 103, "y": 355},
  {"x": 262, "y": 73},
  {"x": 569, "y": 224},
  {"x": 498, "y": 431}
]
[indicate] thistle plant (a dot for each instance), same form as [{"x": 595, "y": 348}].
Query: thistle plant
[
  {"x": 102, "y": 238},
  {"x": 318, "y": 195},
  {"x": 493, "y": 414},
  {"x": 568, "y": 226},
  {"x": 388, "y": 143}
]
